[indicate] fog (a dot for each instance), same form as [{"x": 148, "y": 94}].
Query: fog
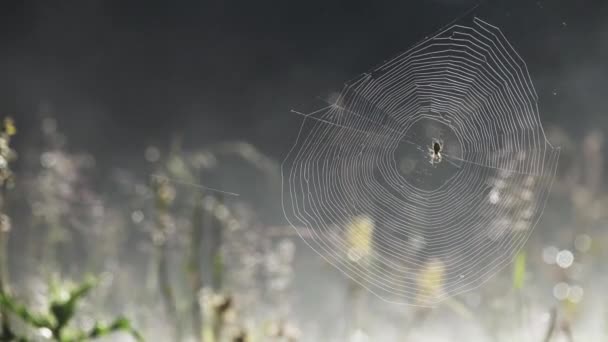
[{"x": 146, "y": 162}]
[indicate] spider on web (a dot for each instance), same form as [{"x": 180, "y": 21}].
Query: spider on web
[{"x": 435, "y": 152}]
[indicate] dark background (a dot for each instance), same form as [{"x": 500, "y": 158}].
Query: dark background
[{"x": 120, "y": 75}]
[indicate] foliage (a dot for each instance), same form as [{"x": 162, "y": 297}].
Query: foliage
[{"x": 54, "y": 323}]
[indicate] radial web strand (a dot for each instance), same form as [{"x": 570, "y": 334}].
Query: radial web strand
[{"x": 426, "y": 175}]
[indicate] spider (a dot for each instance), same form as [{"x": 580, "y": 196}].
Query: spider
[{"x": 435, "y": 152}]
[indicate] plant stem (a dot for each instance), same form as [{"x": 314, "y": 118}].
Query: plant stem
[
  {"x": 164, "y": 280},
  {"x": 4, "y": 229},
  {"x": 196, "y": 279},
  {"x": 166, "y": 290},
  {"x": 551, "y": 326}
]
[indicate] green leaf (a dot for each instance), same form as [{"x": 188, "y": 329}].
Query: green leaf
[
  {"x": 63, "y": 310},
  {"x": 10, "y": 304},
  {"x": 120, "y": 324}
]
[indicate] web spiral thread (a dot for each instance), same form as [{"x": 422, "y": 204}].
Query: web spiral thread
[{"x": 426, "y": 175}]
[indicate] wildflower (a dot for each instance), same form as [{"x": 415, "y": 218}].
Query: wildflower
[
  {"x": 359, "y": 237},
  {"x": 9, "y": 127},
  {"x": 430, "y": 281}
]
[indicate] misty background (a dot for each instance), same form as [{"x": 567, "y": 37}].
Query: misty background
[{"x": 122, "y": 77}]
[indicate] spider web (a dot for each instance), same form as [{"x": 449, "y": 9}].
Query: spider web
[{"x": 365, "y": 187}]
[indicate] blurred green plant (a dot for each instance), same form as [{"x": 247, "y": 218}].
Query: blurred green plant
[
  {"x": 165, "y": 195},
  {"x": 7, "y": 155},
  {"x": 519, "y": 270},
  {"x": 54, "y": 323}
]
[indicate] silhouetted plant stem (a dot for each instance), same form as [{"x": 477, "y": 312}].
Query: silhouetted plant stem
[
  {"x": 6, "y": 176},
  {"x": 217, "y": 266},
  {"x": 3, "y": 258},
  {"x": 551, "y": 327},
  {"x": 216, "y": 238},
  {"x": 164, "y": 198},
  {"x": 195, "y": 266},
  {"x": 167, "y": 291}
]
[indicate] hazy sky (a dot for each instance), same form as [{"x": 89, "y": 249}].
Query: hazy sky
[{"x": 122, "y": 74}]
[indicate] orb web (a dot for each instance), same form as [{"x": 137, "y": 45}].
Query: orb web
[{"x": 426, "y": 175}]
